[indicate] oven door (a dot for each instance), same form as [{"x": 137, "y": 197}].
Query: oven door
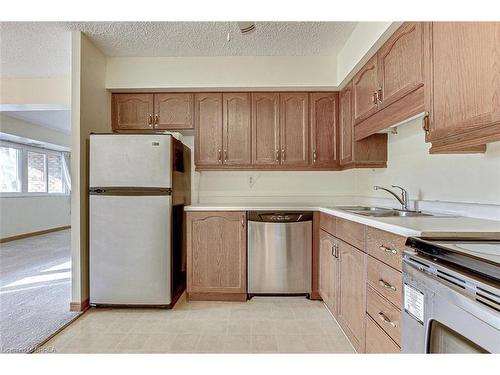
[{"x": 439, "y": 316}]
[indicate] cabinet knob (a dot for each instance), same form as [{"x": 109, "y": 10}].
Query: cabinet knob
[
  {"x": 379, "y": 94},
  {"x": 219, "y": 157},
  {"x": 375, "y": 98},
  {"x": 157, "y": 117},
  {"x": 150, "y": 120},
  {"x": 314, "y": 156},
  {"x": 277, "y": 156},
  {"x": 385, "y": 319},
  {"x": 388, "y": 250},
  {"x": 225, "y": 155},
  {"x": 386, "y": 285},
  {"x": 282, "y": 155},
  {"x": 425, "y": 124}
]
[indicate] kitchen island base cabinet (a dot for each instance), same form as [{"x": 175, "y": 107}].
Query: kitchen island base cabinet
[{"x": 216, "y": 256}]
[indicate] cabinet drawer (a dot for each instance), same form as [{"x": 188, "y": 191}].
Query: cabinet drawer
[
  {"x": 385, "y": 246},
  {"x": 384, "y": 313},
  {"x": 327, "y": 223},
  {"x": 351, "y": 232},
  {"x": 385, "y": 280},
  {"x": 377, "y": 341}
]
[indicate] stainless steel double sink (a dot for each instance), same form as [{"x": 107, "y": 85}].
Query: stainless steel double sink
[{"x": 381, "y": 212}]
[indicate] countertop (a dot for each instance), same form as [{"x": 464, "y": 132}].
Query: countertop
[{"x": 441, "y": 226}]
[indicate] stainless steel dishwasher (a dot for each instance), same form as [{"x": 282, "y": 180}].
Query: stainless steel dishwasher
[{"x": 279, "y": 253}]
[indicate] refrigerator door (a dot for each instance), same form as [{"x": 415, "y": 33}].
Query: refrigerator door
[
  {"x": 130, "y": 249},
  {"x": 130, "y": 160}
]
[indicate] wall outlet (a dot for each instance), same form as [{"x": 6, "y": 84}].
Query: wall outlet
[{"x": 252, "y": 179}]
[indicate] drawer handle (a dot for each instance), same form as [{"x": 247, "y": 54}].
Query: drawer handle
[
  {"x": 388, "y": 250},
  {"x": 385, "y": 319},
  {"x": 386, "y": 285}
]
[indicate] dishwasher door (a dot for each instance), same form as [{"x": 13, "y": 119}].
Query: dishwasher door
[{"x": 279, "y": 252}]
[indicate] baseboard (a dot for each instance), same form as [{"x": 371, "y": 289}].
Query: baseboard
[
  {"x": 33, "y": 234},
  {"x": 212, "y": 296},
  {"x": 80, "y": 306}
]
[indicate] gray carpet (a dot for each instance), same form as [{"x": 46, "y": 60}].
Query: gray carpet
[{"x": 35, "y": 290}]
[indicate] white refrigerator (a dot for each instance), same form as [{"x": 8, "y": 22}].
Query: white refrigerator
[{"x": 131, "y": 220}]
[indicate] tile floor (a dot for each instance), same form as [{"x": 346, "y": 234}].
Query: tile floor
[{"x": 261, "y": 325}]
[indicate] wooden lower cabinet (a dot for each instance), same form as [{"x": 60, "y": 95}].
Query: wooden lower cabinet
[
  {"x": 352, "y": 306},
  {"x": 329, "y": 272},
  {"x": 216, "y": 255},
  {"x": 377, "y": 341}
]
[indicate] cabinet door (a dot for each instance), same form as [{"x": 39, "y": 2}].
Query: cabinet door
[
  {"x": 325, "y": 255},
  {"x": 265, "y": 129},
  {"x": 401, "y": 63},
  {"x": 173, "y": 111},
  {"x": 132, "y": 111},
  {"x": 465, "y": 95},
  {"x": 345, "y": 124},
  {"x": 294, "y": 124},
  {"x": 365, "y": 86},
  {"x": 208, "y": 129},
  {"x": 324, "y": 114},
  {"x": 216, "y": 252},
  {"x": 328, "y": 272},
  {"x": 352, "y": 293},
  {"x": 237, "y": 129}
]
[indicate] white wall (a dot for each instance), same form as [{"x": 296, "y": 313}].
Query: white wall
[
  {"x": 473, "y": 178},
  {"x": 243, "y": 72},
  {"x": 35, "y": 90},
  {"x": 90, "y": 110},
  {"x": 20, "y": 215}
]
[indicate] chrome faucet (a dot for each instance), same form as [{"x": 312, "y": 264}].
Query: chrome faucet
[{"x": 404, "y": 200}]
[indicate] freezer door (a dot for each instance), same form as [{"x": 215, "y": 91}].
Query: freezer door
[
  {"x": 130, "y": 160},
  {"x": 130, "y": 250}
]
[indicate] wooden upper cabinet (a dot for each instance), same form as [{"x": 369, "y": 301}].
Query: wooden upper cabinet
[
  {"x": 324, "y": 115},
  {"x": 173, "y": 111},
  {"x": 265, "y": 129},
  {"x": 345, "y": 125},
  {"x": 464, "y": 97},
  {"x": 132, "y": 111},
  {"x": 208, "y": 129},
  {"x": 365, "y": 86},
  {"x": 352, "y": 305},
  {"x": 216, "y": 252},
  {"x": 237, "y": 129},
  {"x": 401, "y": 63},
  {"x": 294, "y": 125}
]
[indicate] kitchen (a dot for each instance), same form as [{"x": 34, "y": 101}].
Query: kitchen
[
  {"x": 351, "y": 257},
  {"x": 252, "y": 214}
]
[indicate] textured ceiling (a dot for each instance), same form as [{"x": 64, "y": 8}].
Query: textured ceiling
[
  {"x": 47, "y": 45},
  {"x": 58, "y": 120}
]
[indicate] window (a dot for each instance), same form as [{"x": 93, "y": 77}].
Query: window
[
  {"x": 55, "y": 172},
  {"x": 37, "y": 172},
  {"x": 26, "y": 170},
  {"x": 10, "y": 170}
]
